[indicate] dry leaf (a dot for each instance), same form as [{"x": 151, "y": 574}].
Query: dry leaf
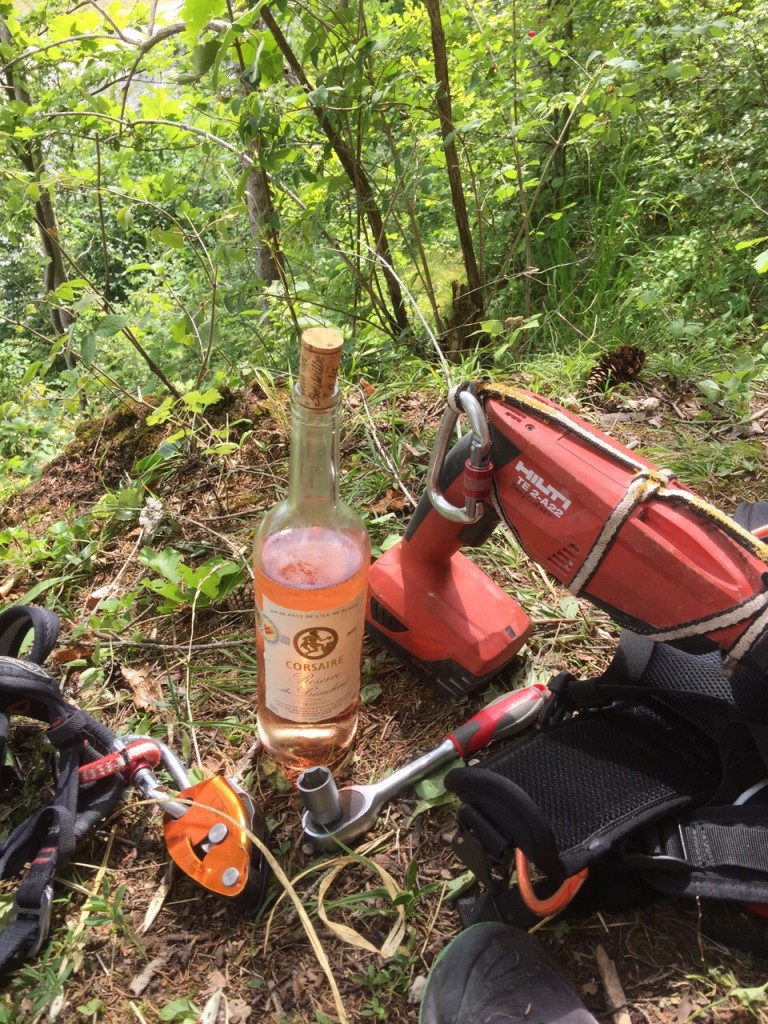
[
  {"x": 650, "y": 404},
  {"x": 97, "y": 596},
  {"x": 146, "y": 692},
  {"x": 138, "y": 984},
  {"x": 685, "y": 1008},
  {"x": 158, "y": 900},
  {"x": 76, "y": 652},
  {"x": 215, "y": 982},
  {"x": 215, "y": 764},
  {"x": 416, "y": 991},
  {"x": 211, "y": 1009},
  {"x": 342, "y": 931},
  {"x": 393, "y": 501},
  {"x": 9, "y": 586},
  {"x": 239, "y": 1011}
]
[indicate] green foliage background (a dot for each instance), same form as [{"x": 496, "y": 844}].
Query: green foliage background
[
  {"x": 185, "y": 188},
  {"x": 611, "y": 160}
]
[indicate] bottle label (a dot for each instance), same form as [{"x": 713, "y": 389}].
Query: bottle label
[{"x": 311, "y": 659}]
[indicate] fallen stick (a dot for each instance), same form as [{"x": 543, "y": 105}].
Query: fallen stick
[{"x": 616, "y": 1001}]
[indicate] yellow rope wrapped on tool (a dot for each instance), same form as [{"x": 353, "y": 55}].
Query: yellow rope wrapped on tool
[{"x": 646, "y": 483}]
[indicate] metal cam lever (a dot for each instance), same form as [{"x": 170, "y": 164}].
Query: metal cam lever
[{"x": 207, "y": 830}]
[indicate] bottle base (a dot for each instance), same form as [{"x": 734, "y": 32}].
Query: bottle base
[{"x": 297, "y": 746}]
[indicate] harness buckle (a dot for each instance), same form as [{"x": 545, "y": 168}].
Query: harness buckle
[
  {"x": 41, "y": 914},
  {"x": 665, "y": 848}
]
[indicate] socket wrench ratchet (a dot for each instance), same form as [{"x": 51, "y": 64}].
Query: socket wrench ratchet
[{"x": 334, "y": 817}]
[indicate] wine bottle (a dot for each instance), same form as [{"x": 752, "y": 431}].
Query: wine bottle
[{"x": 310, "y": 559}]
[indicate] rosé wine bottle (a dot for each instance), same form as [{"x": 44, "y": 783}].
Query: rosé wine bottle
[{"x": 310, "y": 557}]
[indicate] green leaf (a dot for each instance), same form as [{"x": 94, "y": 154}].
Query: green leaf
[
  {"x": 31, "y": 372},
  {"x": 110, "y": 325},
  {"x": 749, "y": 243},
  {"x": 124, "y": 218},
  {"x": 38, "y": 589},
  {"x": 587, "y": 119},
  {"x": 370, "y": 693},
  {"x": 647, "y": 298},
  {"x": 170, "y": 239},
  {"x": 166, "y": 562},
  {"x": 204, "y": 56},
  {"x": 198, "y": 402},
  {"x": 93, "y": 1006},
  {"x": 760, "y": 262},
  {"x": 161, "y": 413},
  {"x": 169, "y": 183},
  {"x": 751, "y": 997},
  {"x": 269, "y": 62},
  {"x": 710, "y": 389},
  {"x": 492, "y": 327},
  {"x": 88, "y": 348},
  {"x": 318, "y": 97},
  {"x": 179, "y": 1010},
  {"x": 197, "y": 14},
  {"x": 459, "y": 885}
]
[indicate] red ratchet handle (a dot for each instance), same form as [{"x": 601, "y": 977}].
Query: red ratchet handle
[{"x": 503, "y": 717}]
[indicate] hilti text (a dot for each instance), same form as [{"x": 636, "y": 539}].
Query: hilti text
[{"x": 535, "y": 488}]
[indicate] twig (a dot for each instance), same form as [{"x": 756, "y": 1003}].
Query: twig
[
  {"x": 153, "y": 645},
  {"x": 559, "y": 142},
  {"x": 430, "y": 333},
  {"x": 433, "y": 918},
  {"x": 753, "y": 418},
  {"x": 616, "y": 1001},
  {"x": 382, "y": 450}
]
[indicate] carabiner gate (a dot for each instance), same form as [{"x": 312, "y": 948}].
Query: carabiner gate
[{"x": 478, "y": 470}]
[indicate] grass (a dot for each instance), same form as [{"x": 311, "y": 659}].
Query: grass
[{"x": 202, "y": 659}]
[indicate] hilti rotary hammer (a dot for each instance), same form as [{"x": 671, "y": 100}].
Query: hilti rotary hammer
[{"x": 602, "y": 521}]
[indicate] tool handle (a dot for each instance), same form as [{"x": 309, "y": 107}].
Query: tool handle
[{"x": 503, "y": 717}]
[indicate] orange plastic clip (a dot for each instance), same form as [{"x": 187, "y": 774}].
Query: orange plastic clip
[
  {"x": 552, "y": 904},
  {"x": 210, "y": 842}
]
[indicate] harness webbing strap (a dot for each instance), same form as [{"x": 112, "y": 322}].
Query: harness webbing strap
[
  {"x": 707, "y": 844},
  {"x": 16, "y": 623},
  {"x": 50, "y": 834}
]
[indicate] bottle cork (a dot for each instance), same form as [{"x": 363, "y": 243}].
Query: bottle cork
[{"x": 319, "y": 367}]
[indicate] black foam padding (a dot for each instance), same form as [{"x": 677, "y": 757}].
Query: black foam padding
[{"x": 602, "y": 774}]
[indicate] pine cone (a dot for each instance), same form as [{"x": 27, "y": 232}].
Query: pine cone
[
  {"x": 240, "y": 601},
  {"x": 623, "y": 364}
]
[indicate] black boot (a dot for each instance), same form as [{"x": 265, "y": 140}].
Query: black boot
[{"x": 495, "y": 974}]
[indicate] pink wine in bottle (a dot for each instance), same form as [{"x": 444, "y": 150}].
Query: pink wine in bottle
[{"x": 311, "y": 559}]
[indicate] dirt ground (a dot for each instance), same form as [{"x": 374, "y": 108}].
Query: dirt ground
[{"x": 133, "y": 940}]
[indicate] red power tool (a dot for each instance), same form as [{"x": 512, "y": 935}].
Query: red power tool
[{"x": 604, "y": 522}]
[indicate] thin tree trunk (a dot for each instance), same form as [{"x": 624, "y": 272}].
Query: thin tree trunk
[
  {"x": 258, "y": 199},
  {"x": 32, "y": 159},
  {"x": 354, "y": 170},
  {"x": 474, "y": 290}
]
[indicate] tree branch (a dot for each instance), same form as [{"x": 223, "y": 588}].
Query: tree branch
[
  {"x": 448, "y": 132},
  {"x": 355, "y": 172}
]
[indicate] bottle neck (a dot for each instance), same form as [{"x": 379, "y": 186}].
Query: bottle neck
[{"x": 313, "y": 474}]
